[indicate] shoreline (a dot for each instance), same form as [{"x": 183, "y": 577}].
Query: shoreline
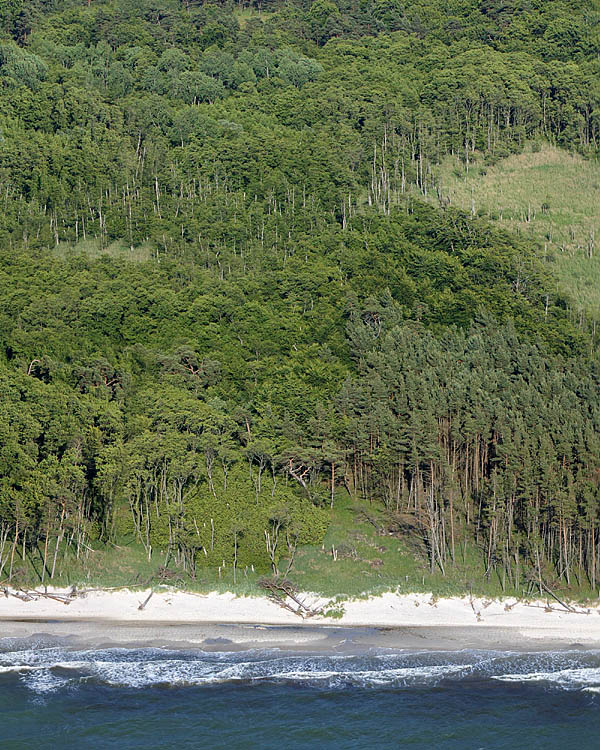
[
  {"x": 321, "y": 638},
  {"x": 227, "y": 622}
]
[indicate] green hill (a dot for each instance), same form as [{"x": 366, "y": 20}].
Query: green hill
[{"x": 240, "y": 320}]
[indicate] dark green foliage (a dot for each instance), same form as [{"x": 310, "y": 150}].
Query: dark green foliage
[{"x": 478, "y": 435}]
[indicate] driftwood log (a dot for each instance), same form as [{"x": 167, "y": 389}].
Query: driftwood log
[
  {"x": 285, "y": 594},
  {"x": 32, "y": 595},
  {"x": 146, "y": 600}
]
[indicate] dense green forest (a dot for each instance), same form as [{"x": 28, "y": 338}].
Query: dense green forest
[{"x": 227, "y": 299}]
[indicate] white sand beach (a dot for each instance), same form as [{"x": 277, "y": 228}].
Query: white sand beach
[{"x": 401, "y": 620}]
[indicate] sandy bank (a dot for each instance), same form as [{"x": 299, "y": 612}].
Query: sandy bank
[{"x": 224, "y": 620}]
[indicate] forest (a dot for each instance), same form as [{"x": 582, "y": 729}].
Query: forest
[{"x": 228, "y": 301}]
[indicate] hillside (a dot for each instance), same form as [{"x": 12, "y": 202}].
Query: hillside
[
  {"x": 545, "y": 193},
  {"x": 234, "y": 325}
]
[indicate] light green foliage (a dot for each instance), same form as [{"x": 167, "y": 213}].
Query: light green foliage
[
  {"x": 239, "y": 510},
  {"x": 21, "y": 67},
  {"x": 579, "y": 276}
]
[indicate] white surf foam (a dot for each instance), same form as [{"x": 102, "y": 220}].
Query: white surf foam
[
  {"x": 18, "y": 668},
  {"x": 568, "y": 679},
  {"x": 45, "y": 670},
  {"x": 44, "y": 681}
]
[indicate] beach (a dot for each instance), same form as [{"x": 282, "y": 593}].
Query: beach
[
  {"x": 215, "y": 620},
  {"x": 216, "y": 670}
]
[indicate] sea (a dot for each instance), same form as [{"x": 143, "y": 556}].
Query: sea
[{"x": 55, "y": 696}]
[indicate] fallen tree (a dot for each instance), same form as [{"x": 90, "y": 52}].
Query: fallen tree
[{"x": 286, "y": 594}]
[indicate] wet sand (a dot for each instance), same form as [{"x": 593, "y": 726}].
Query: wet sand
[{"x": 302, "y": 637}]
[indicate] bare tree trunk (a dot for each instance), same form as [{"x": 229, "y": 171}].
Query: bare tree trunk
[{"x": 14, "y": 547}]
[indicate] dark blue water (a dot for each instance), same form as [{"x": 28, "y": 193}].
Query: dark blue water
[{"x": 54, "y": 697}]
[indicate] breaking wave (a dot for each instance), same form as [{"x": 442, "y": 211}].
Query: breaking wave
[
  {"x": 577, "y": 678},
  {"x": 47, "y": 669}
]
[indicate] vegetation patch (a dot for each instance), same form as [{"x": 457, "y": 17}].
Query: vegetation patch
[{"x": 546, "y": 194}]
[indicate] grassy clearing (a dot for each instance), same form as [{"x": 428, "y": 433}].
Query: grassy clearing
[
  {"x": 370, "y": 561},
  {"x": 580, "y": 279},
  {"x": 244, "y": 15},
  {"x": 356, "y": 561},
  {"x": 547, "y": 194},
  {"x": 126, "y": 565},
  {"x": 118, "y": 249}
]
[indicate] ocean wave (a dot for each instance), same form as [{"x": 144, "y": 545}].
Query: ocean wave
[
  {"x": 44, "y": 681},
  {"x": 18, "y": 668},
  {"x": 49, "y": 669},
  {"x": 568, "y": 679}
]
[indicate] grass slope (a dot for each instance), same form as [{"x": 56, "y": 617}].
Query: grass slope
[
  {"x": 361, "y": 555},
  {"x": 548, "y": 194}
]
